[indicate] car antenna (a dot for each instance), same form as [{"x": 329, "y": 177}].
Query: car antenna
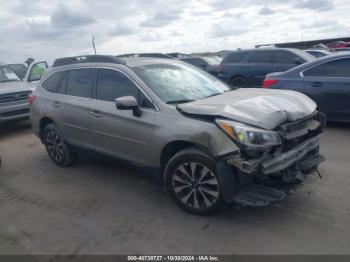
[{"x": 93, "y": 44}]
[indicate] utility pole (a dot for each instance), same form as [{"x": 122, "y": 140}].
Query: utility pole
[{"x": 93, "y": 44}]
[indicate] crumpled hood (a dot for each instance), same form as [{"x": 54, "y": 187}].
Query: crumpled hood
[
  {"x": 265, "y": 108},
  {"x": 12, "y": 87}
]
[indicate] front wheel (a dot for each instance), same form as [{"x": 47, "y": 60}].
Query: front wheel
[
  {"x": 192, "y": 181},
  {"x": 56, "y": 148}
]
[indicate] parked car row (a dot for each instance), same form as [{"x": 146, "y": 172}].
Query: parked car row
[
  {"x": 326, "y": 81},
  {"x": 248, "y": 68}
]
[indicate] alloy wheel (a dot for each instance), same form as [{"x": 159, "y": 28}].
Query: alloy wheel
[
  {"x": 195, "y": 185},
  {"x": 54, "y": 145}
]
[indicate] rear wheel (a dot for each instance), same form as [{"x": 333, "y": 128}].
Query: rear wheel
[
  {"x": 239, "y": 82},
  {"x": 192, "y": 181},
  {"x": 57, "y": 149}
]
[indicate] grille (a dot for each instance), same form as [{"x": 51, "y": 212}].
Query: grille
[
  {"x": 15, "y": 113},
  {"x": 14, "y": 97}
]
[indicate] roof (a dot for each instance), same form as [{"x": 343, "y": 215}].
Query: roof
[
  {"x": 87, "y": 59},
  {"x": 141, "y": 61},
  {"x": 93, "y": 60}
]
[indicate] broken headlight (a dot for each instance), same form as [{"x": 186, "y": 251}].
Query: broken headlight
[{"x": 248, "y": 135}]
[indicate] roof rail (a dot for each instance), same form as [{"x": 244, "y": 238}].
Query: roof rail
[{"x": 88, "y": 59}]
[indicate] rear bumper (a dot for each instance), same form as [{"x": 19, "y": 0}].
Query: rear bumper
[{"x": 15, "y": 111}]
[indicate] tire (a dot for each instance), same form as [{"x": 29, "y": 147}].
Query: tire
[
  {"x": 239, "y": 82},
  {"x": 192, "y": 181},
  {"x": 56, "y": 147}
]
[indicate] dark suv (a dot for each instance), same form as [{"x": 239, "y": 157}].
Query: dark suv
[{"x": 248, "y": 68}]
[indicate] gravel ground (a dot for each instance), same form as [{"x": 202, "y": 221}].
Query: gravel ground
[{"x": 99, "y": 207}]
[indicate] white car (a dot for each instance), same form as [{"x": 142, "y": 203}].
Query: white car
[{"x": 14, "y": 91}]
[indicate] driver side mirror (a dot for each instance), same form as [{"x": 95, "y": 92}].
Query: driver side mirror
[{"x": 128, "y": 103}]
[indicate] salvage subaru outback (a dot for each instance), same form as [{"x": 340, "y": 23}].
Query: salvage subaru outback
[{"x": 211, "y": 145}]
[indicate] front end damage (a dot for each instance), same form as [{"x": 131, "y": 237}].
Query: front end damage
[{"x": 266, "y": 175}]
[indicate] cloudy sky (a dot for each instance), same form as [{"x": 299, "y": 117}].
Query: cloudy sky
[{"x": 48, "y": 29}]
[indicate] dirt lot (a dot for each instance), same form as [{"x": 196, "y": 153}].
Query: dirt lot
[{"x": 97, "y": 207}]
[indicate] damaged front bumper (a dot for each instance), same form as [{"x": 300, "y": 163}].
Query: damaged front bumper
[
  {"x": 274, "y": 164},
  {"x": 298, "y": 157},
  {"x": 268, "y": 175},
  {"x": 270, "y": 178}
]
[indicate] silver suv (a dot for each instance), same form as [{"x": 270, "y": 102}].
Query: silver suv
[{"x": 211, "y": 145}]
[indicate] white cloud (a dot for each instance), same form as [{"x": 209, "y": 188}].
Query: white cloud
[{"x": 49, "y": 29}]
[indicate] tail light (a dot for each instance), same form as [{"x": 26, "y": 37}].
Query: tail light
[
  {"x": 269, "y": 82},
  {"x": 31, "y": 99}
]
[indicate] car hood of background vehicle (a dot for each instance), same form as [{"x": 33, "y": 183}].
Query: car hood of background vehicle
[
  {"x": 13, "y": 87},
  {"x": 263, "y": 108}
]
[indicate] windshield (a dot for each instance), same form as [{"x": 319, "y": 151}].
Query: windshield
[
  {"x": 308, "y": 57},
  {"x": 7, "y": 75},
  {"x": 179, "y": 83}
]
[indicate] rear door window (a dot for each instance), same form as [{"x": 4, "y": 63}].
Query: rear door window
[
  {"x": 80, "y": 82},
  {"x": 261, "y": 57},
  {"x": 51, "y": 84},
  {"x": 319, "y": 70},
  {"x": 236, "y": 57},
  {"x": 336, "y": 68}
]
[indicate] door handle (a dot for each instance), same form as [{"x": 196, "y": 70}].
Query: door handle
[
  {"x": 96, "y": 113},
  {"x": 316, "y": 84},
  {"x": 56, "y": 104}
]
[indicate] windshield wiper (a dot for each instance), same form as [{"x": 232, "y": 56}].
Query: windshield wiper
[
  {"x": 216, "y": 94},
  {"x": 180, "y": 101}
]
